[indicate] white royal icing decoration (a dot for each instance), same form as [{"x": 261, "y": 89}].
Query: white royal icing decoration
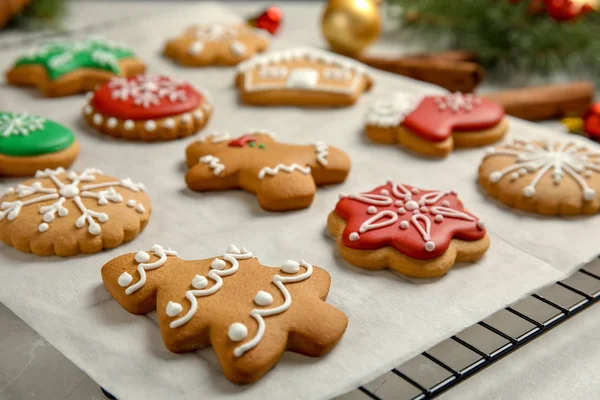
[
  {"x": 322, "y": 150},
  {"x": 216, "y": 274},
  {"x": 148, "y": 90},
  {"x": 111, "y": 123},
  {"x": 20, "y": 124},
  {"x": 213, "y": 162},
  {"x": 263, "y": 298},
  {"x": 173, "y": 309},
  {"x": 209, "y": 33},
  {"x": 142, "y": 259},
  {"x": 558, "y": 158},
  {"x": 260, "y": 313},
  {"x": 73, "y": 190},
  {"x": 129, "y": 125},
  {"x": 390, "y": 111},
  {"x": 237, "y": 48},
  {"x": 457, "y": 101},
  {"x": 336, "y": 74},
  {"x": 286, "y": 168},
  {"x": 237, "y": 332},
  {"x": 272, "y": 72},
  {"x": 303, "y": 78}
]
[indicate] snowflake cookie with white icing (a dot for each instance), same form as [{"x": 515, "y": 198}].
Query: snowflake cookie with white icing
[
  {"x": 433, "y": 125},
  {"x": 419, "y": 233},
  {"x": 147, "y": 107},
  {"x": 66, "y": 67},
  {"x": 64, "y": 213},
  {"x": 248, "y": 312},
  {"x": 216, "y": 44},
  {"x": 303, "y": 77},
  {"x": 549, "y": 178},
  {"x": 283, "y": 176},
  {"x": 29, "y": 143}
]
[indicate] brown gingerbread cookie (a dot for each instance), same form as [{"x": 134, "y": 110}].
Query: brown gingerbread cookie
[
  {"x": 302, "y": 77},
  {"x": 64, "y": 213},
  {"x": 434, "y": 125},
  {"x": 63, "y": 68},
  {"x": 419, "y": 233},
  {"x": 249, "y": 313},
  {"x": 549, "y": 178},
  {"x": 216, "y": 44},
  {"x": 283, "y": 176}
]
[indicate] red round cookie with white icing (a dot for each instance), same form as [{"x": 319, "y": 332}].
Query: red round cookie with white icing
[
  {"x": 417, "y": 232},
  {"x": 147, "y": 107}
]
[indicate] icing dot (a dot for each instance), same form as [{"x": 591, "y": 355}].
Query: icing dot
[
  {"x": 414, "y": 191},
  {"x": 237, "y": 48},
  {"x": 404, "y": 225},
  {"x": 514, "y": 176},
  {"x": 88, "y": 110},
  {"x": 124, "y": 279},
  {"x": 150, "y": 126},
  {"x": 112, "y": 122},
  {"x": 421, "y": 202},
  {"x": 69, "y": 191},
  {"x": 480, "y": 224},
  {"x": 438, "y": 218},
  {"x": 588, "y": 174},
  {"x": 589, "y": 194},
  {"x": 97, "y": 119},
  {"x": 199, "y": 282},
  {"x": 131, "y": 203},
  {"x": 263, "y": 298},
  {"x": 218, "y": 264},
  {"x": 290, "y": 267},
  {"x": 43, "y": 227},
  {"x": 430, "y": 246},
  {"x": 529, "y": 191},
  {"x": 169, "y": 123},
  {"x": 94, "y": 229},
  {"x": 89, "y": 95},
  {"x": 354, "y": 236},
  {"x": 416, "y": 212},
  {"x": 173, "y": 309},
  {"x": 424, "y": 209},
  {"x": 385, "y": 192},
  {"x": 401, "y": 211},
  {"x": 186, "y": 118},
  {"x": 371, "y": 210},
  {"x": 103, "y": 217},
  {"x": 495, "y": 176},
  {"x": 237, "y": 331},
  {"x": 197, "y": 114},
  {"x": 411, "y": 205},
  {"x": 398, "y": 203},
  {"x": 446, "y": 203},
  {"x": 142, "y": 257},
  {"x": 140, "y": 208},
  {"x": 196, "y": 48},
  {"x": 48, "y": 217},
  {"x": 129, "y": 125}
]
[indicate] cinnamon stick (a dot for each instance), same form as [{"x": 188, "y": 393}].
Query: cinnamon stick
[
  {"x": 546, "y": 102},
  {"x": 449, "y": 55}
]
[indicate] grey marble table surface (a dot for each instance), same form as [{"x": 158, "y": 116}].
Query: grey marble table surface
[{"x": 557, "y": 366}]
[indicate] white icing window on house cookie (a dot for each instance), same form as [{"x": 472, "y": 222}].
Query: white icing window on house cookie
[
  {"x": 336, "y": 74},
  {"x": 303, "y": 78},
  {"x": 272, "y": 72}
]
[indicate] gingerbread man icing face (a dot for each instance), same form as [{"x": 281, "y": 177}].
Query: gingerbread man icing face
[
  {"x": 283, "y": 176},
  {"x": 433, "y": 125},
  {"x": 417, "y": 232},
  {"x": 250, "y": 314}
]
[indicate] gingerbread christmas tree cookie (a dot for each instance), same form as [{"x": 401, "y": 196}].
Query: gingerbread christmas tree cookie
[
  {"x": 216, "y": 44},
  {"x": 434, "y": 125},
  {"x": 29, "y": 143},
  {"x": 283, "y": 176},
  {"x": 147, "y": 107},
  {"x": 302, "y": 77},
  {"x": 549, "y": 178},
  {"x": 65, "y": 213},
  {"x": 419, "y": 233},
  {"x": 62, "y": 68},
  {"x": 249, "y": 313}
]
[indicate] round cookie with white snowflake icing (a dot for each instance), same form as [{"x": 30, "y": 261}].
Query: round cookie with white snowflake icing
[
  {"x": 216, "y": 44},
  {"x": 30, "y": 142},
  {"x": 549, "y": 178},
  {"x": 147, "y": 107},
  {"x": 64, "y": 213},
  {"x": 66, "y": 67},
  {"x": 419, "y": 233}
]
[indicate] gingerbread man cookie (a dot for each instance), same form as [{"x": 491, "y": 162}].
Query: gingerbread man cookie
[
  {"x": 62, "y": 68},
  {"x": 29, "y": 143},
  {"x": 249, "y": 313},
  {"x": 549, "y": 178},
  {"x": 283, "y": 176},
  {"x": 147, "y": 107},
  {"x": 434, "y": 125},
  {"x": 302, "y": 77},
  {"x": 419, "y": 233},
  {"x": 64, "y": 213},
  {"x": 216, "y": 44}
]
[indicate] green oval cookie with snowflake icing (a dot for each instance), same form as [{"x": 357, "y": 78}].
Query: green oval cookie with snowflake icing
[
  {"x": 23, "y": 135},
  {"x": 61, "y": 57}
]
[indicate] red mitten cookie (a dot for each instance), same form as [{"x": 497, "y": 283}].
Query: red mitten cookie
[
  {"x": 419, "y": 233},
  {"x": 433, "y": 125},
  {"x": 147, "y": 107},
  {"x": 249, "y": 313}
]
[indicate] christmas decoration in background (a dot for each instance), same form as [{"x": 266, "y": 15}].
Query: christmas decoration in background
[
  {"x": 32, "y": 14},
  {"x": 588, "y": 125},
  {"x": 269, "y": 20}
]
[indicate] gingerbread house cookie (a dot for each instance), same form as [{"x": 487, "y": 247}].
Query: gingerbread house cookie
[
  {"x": 62, "y": 68},
  {"x": 216, "y": 44},
  {"x": 434, "y": 125},
  {"x": 302, "y": 77},
  {"x": 147, "y": 107}
]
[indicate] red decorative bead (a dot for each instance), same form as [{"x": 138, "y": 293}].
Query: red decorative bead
[
  {"x": 591, "y": 122},
  {"x": 563, "y": 10},
  {"x": 269, "y": 20}
]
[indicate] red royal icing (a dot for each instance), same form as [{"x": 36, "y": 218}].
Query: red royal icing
[
  {"x": 242, "y": 141},
  {"x": 145, "y": 97},
  {"x": 437, "y": 116},
  {"x": 418, "y": 223}
]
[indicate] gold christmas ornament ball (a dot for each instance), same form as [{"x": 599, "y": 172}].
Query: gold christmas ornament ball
[{"x": 350, "y": 26}]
